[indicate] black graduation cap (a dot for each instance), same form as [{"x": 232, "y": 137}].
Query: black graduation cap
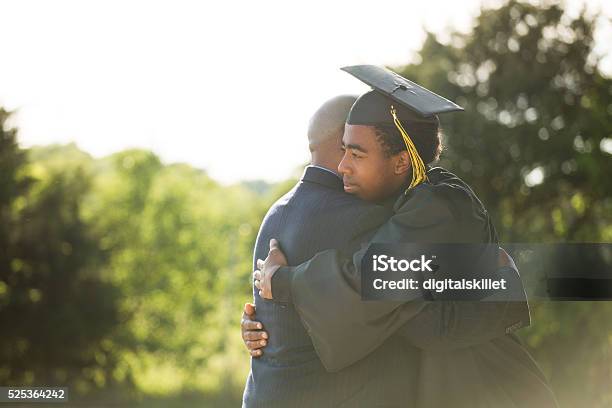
[
  {"x": 395, "y": 100},
  {"x": 411, "y": 101}
]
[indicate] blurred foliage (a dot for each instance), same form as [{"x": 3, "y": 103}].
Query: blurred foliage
[
  {"x": 534, "y": 140},
  {"x": 50, "y": 281},
  {"x": 124, "y": 277}
]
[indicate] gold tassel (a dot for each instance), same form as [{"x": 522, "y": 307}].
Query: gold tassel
[{"x": 419, "y": 174}]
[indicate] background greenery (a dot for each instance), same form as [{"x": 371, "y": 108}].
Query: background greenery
[{"x": 124, "y": 277}]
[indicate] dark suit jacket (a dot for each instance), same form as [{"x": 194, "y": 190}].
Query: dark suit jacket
[{"x": 317, "y": 215}]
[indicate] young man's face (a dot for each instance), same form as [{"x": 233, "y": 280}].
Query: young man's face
[{"x": 366, "y": 171}]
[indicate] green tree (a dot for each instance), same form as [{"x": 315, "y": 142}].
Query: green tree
[
  {"x": 538, "y": 115},
  {"x": 13, "y": 184},
  {"x": 180, "y": 250},
  {"x": 56, "y": 310}
]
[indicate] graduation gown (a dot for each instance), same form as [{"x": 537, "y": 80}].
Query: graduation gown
[{"x": 469, "y": 355}]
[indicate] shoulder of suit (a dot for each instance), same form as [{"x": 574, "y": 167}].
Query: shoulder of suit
[
  {"x": 332, "y": 199},
  {"x": 281, "y": 202}
]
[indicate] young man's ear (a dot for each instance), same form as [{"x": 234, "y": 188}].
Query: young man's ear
[{"x": 403, "y": 162}]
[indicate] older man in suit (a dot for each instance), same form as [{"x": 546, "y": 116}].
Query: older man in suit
[{"x": 317, "y": 215}]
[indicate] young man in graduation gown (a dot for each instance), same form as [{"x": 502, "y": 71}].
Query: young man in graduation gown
[{"x": 467, "y": 358}]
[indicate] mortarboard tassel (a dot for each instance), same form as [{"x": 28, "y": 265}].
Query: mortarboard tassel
[{"x": 418, "y": 167}]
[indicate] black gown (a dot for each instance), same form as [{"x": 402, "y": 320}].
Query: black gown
[{"x": 470, "y": 356}]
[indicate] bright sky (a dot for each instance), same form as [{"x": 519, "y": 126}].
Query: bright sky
[{"x": 226, "y": 86}]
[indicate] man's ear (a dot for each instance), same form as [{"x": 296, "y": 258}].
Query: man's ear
[{"x": 402, "y": 165}]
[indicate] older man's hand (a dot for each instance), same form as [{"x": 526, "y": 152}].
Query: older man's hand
[
  {"x": 255, "y": 339},
  {"x": 263, "y": 276}
]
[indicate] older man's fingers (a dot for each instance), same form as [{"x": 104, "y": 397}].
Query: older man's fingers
[
  {"x": 252, "y": 345},
  {"x": 276, "y": 255},
  {"x": 247, "y": 324},
  {"x": 258, "y": 284},
  {"x": 248, "y": 318},
  {"x": 249, "y": 309},
  {"x": 260, "y": 264},
  {"x": 255, "y": 353},
  {"x": 254, "y": 335},
  {"x": 273, "y": 244},
  {"x": 257, "y": 275}
]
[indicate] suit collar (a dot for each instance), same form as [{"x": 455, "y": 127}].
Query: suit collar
[{"x": 327, "y": 178}]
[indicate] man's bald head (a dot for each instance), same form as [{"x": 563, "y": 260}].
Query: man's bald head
[
  {"x": 325, "y": 131},
  {"x": 328, "y": 121}
]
